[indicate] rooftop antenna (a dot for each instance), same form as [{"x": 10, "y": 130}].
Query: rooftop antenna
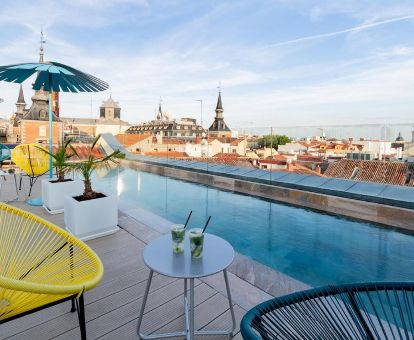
[
  {"x": 201, "y": 111},
  {"x": 219, "y": 86}
]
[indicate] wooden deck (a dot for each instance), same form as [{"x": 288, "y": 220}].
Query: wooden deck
[{"x": 112, "y": 308}]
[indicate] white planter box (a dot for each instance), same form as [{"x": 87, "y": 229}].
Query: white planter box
[
  {"x": 53, "y": 193},
  {"x": 93, "y": 218}
]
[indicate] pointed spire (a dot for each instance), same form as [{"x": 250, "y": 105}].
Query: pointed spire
[
  {"x": 219, "y": 105},
  {"x": 160, "y": 115},
  {"x": 20, "y": 100}
]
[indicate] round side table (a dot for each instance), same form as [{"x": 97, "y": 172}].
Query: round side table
[{"x": 159, "y": 257}]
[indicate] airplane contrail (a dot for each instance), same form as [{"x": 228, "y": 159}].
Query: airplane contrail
[{"x": 332, "y": 34}]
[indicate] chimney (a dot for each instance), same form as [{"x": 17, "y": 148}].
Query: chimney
[{"x": 318, "y": 169}]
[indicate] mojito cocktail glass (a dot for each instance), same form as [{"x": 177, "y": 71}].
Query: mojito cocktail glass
[
  {"x": 178, "y": 234},
  {"x": 196, "y": 242}
]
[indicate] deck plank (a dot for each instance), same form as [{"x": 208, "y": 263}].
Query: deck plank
[
  {"x": 160, "y": 316},
  {"x": 163, "y": 297},
  {"x": 103, "y": 306},
  {"x": 101, "y": 291},
  {"x": 112, "y": 308}
]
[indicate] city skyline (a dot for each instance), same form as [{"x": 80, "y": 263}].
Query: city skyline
[{"x": 279, "y": 62}]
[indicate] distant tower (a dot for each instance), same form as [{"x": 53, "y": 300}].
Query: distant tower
[
  {"x": 39, "y": 110},
  {"x": 412, "y": 136},
  {"x": 399, "y": 138},
  {"x": 219, "y": 107},
  {"x": 219, "y": 127},
  {"x": 110, "y": 109},
  {"x": 20, "y": 108},
  {"x": 159, "y": 113},
  {"x": 20, "y": 104}
]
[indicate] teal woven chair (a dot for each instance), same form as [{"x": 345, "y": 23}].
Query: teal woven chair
[
  {"x": 381, "y": 310},
  {"x": 4, "y": 153}
]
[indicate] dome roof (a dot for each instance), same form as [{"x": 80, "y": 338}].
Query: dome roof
[{"x": 110, "y": 103}]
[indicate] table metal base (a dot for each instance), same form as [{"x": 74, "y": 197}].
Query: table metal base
[
  {"x": 4, "y": 175},
  {"x": 189, "y": 331}
]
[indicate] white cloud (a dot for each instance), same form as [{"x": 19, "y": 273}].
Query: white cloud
[
  {"x": 341, "y": 32},
  {"x": 186, "y": 61}
]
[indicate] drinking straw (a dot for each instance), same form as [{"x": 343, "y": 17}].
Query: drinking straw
[
  {"x": 209, "y": 218},
  {"x": 188, "y": 218}
]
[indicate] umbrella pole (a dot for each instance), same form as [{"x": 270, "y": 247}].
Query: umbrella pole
[{"x": 50, "y": 128}]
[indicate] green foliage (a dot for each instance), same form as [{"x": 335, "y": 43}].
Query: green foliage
[
  {"x": 61, "y": 158},
  {"x": 91, "y": 163},
  {"x": 273, "y": 141}
]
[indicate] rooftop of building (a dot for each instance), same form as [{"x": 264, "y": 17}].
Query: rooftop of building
[
  {"x": 396, "y": 173},
  {"x": 110, "y": 103},
  {"x": 112, "y": 308},
  {"x": 128, "y": 139},
  {"x": 94, "y": 121}
]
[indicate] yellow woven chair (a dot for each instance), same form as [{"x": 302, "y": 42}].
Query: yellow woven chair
[
  {"x": 32, "y": 159},
  {"x": 42, "y": 265}
]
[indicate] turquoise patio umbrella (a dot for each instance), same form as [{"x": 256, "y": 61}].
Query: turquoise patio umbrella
[{"x": 55, "y": 76}]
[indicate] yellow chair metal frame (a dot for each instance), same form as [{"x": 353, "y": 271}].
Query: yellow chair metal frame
[
  {"x": 42, "y": 265},
  {"x": 32, "y": 159}
]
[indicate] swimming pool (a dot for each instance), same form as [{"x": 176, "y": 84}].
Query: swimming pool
[{"x": 312, "y": 247}]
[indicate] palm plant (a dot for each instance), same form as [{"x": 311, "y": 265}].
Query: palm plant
[
  {"x": 90, "y": 164},
  {"x": 61, "y": 157}
]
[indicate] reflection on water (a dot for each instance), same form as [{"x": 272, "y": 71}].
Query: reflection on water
[{"x": 314, "y": 248}]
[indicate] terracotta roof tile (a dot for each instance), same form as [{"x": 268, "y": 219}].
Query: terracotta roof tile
[
  {"x": 372, "y": 171},
  {"x": 131, "y": 139},
  {"x": 172, "y": 154}
]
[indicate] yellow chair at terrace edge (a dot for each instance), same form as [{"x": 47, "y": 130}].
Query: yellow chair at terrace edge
[
  {"x": 32, "y": 159},
  {"x": 42, "y": 265}
]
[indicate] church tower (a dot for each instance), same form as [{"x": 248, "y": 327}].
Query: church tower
[
  {"x": 110, "y": 109},
  {"x": 20, "y": 104},
  {"x": 160, "y": 115},
  {"x": 20, "y": 107},
  {"x": 219, "y": 128},
  {"x": 39, "y": 110}
]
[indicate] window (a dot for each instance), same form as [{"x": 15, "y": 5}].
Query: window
[{"x": 42, "y": 131}]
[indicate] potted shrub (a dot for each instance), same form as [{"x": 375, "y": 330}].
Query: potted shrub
[
  {"x": 54, "y": 190},
  {"x": 92, "y": 214}
]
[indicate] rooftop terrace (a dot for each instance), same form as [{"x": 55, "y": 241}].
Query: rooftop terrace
[{"x": 112, "y": 308}]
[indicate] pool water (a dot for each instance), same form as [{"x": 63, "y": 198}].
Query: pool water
[{"x": 312, "y": 247}]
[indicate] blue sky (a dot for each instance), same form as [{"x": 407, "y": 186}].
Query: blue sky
[{"x": 280, "y": 62}]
